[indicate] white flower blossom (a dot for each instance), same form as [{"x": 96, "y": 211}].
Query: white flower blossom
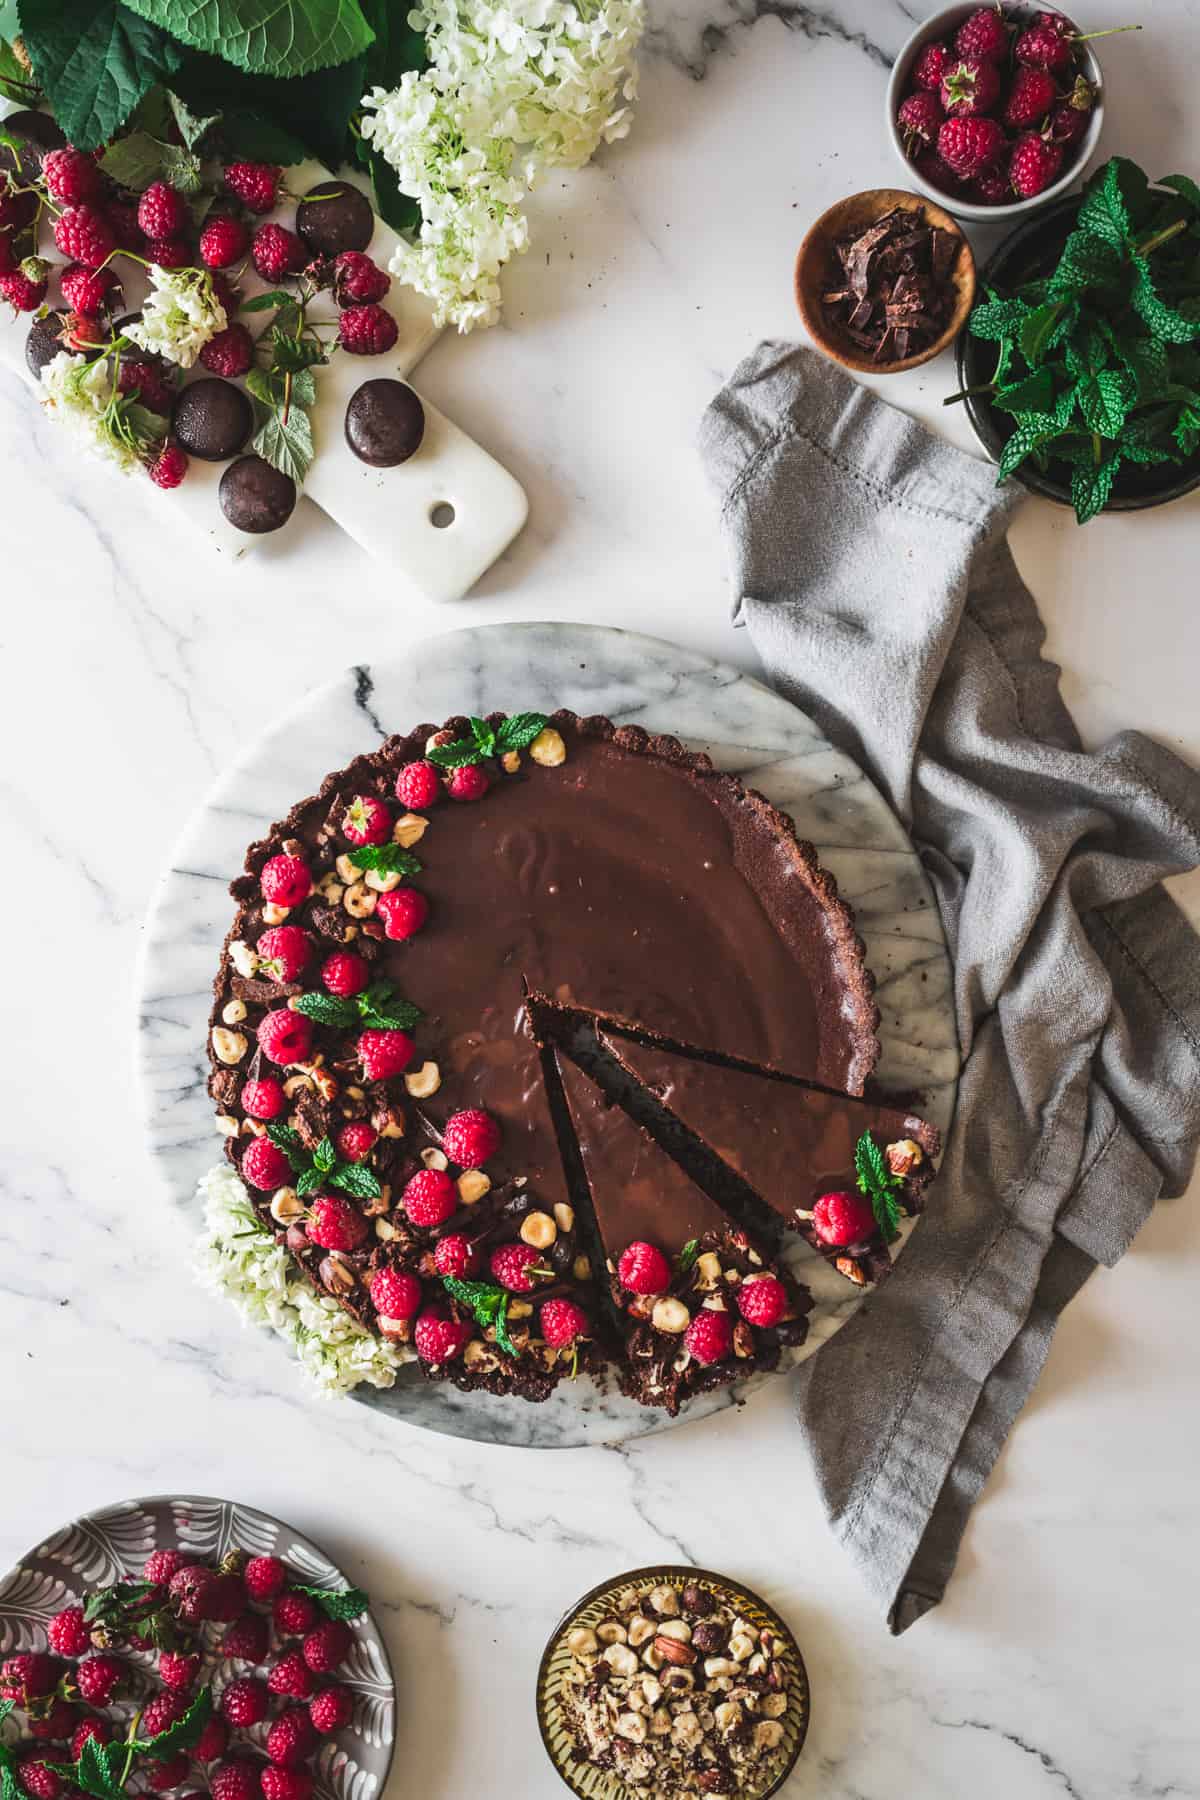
[
  {"x": 236, "y": 1257},
  {"x": 510, "y": 90},
  {"x": 79, "y": 393},
  {"x": 179, "y": 315}
]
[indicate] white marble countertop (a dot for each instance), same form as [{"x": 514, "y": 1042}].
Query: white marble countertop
[{"x": 1064, "y": 1661}]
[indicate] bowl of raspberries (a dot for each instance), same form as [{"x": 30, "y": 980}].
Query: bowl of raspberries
[
  {"x": 192, "y": 1648},
  {"x": 994, "y": 110}
]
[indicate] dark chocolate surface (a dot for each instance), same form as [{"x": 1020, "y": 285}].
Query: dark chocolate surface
[
  {"x": 343, "y": 221},
  {"x": 212, "y": 419},
  {"x": 256, "y": 497},
  {"x": 385, "y": 423}
]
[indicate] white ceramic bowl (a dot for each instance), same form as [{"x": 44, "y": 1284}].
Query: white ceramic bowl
[{"x": 944, "y": 24}]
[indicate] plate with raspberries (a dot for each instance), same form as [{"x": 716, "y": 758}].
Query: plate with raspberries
[{"x": 190, "y": 1647}]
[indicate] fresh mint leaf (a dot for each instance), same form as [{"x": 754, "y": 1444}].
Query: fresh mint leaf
[
  {"x": 1037, "y": 330},
  {"x": 327, "y": 1009},
  {"x": 1104, "y": 213},
  {"x": 324, "y": 1157},
  {"x": 880, "y": 1186},
  {"x": 687, "y": 1256},
  {"x": 6, "y": 1707},
  {"x": 95, "y": 62},
  {"x": 356, "y": 1180},
  {"x": 1187, "y": 426},
  {"x": 1091, "y": 485},
  {"x": 1033, "y": 429},
  {"x": 484, "y": 736},
  {"x": 179, "y": 1736},
  {"x": 488, "y": 1304},
  {"x": 1185, "y": 187},
  {"x": 339, "y": 1603},
  {"x": 310, "y": 1182},
  {"x": 286, "y": 445},
  {"x": 1173, "y": 325},
  {"x": 518, "y": 731},
  {"x": 1104, "y": 401},
  {"x": 996, "y": 318},
  {"x": 1087, "y": 262},
  {"x": 266, "y": 37},
  {"x": 287, "y": 1138},
  {"x": 456, "y": 755},
  {"x": 1033, "y": 394},
  {"x": 387, "y": 859},
  {"x": 383, "y": 1009}
]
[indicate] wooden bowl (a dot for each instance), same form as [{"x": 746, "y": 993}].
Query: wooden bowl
[{"x": 817, "y": 269}]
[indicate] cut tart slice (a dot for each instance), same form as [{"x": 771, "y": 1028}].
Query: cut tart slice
[
  {"x": 701, "y": 1303},
  {"x": 833, "y": 1167}
]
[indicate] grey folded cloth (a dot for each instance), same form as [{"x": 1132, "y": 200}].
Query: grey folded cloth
[{"x": 871, "y": 567}]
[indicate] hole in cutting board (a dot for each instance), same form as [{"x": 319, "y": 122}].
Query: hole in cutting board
[{"x": 441, "y": 515}]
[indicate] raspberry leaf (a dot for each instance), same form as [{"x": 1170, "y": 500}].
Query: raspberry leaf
[
  {"x": 385, "y": 859},
  {"x": 98, "y": 1771},
  {"x": 179, "y": 1736},
  {"x": 488, "y": 1304},
  {"x": 327, "y": 1009},
  {"x": 518, "y": 731},
  {"x": 266, "y": 303},
  {"x": 356, "y": 1180},
  {"x": 286, "y": 441},
  {"x": 95, "y": 62},
  {"x": 338, "y": 1603},
  {"x": 880, "y": 1186}
]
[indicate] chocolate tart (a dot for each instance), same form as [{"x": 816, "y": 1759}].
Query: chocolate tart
[{"x": 614, "y": 871}]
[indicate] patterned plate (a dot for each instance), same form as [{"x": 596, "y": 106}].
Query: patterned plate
[
  {"x": 112, "y": 1545},
  {"x": 584, "y": 1778}
]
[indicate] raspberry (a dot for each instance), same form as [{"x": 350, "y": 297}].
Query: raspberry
[
  {"x": 16, "y": 210},
  {"x": 285, "y": 881},
  {"x": 263, "y": 1100},
  {"x": 67, "y": 1633},
  {"x": 1035, "y": 163},
  {"x": 162, "y": 211},
  {"x": 983, "y": 34},
  {"x": 70, "y": 175},
  {"x": 292, "y": 1676},
  {"x": 1069, "y": 121},
  {"x": 1030, "y": 98},
  {"x": 161, "y": 1565},
  {"x": 327, "y": 1648},
  {"x": 643, "y": 1269},
  {"x": 170, "y": 1772},
  {"x": 709, "y": 1337},
  {"x": 95, "y": 1727},
  {"x": 403, "y": 912},
  {"x": 334, "y": 1224},
  {"x": 763, "y": 1302},
  {"x": 367, "y": 820},
  {"x": 283, "y": 952},
  {"x": 844, "y": 1217},
  {"x": 471, "y": 782},
  {"x": 991, "y": 188},
  {"x": 470, "y": 1137},
  {"x": 7, "y": 260},
  {"x": 265, "y": 1576},
  {"x": 22, "y": 292},
  {"x": 122, "y": 216},
  {"x": 31, "y": 1675},
  {"x": 512, "y": 1265},
  {"x": 438, "y": 1339},
  {"x": 970, "y": 86},
  {"x": 99, "y": 1677},
  {"x": 212, "y": 1742},
  {"x": 395, "y": 1294},
  {"x": 247, "y": 1639},
  {"x": 86, "y": 291},
  {"x": 168, "y": 253},
  {"x": 455, "y": 1255},
  {"x": 367, "y": 330},
  {"x": 285, "y": 1036},
  {"x": 294, "y": 1614},
  {"x": 355, "y": 1140},
  {"x": 1044, "y": 46},
  {"x": 356, "y": 279},
  {"x": 345, "y": 973},
  {"x": 245, "y": 1701},
  {"x": 38, "y": 1778},
  {"x": 256, "y": 185},
  {"x": 161, "y": 1712},
  {"x": 238, "y": 1779},
  {"x": 191, "y": 1587},
  {"x": 384, "y": 1053},
  {"x": 930, "y": 66},
  {"x": 919, "y": 119},
  {"x": 286, "y": 1784},
  {"x": 562, "y": 1322},
  {"x": 938, "y": 174},
  {"x": 227, "y": 1600},
  {"x": 418, "y": 784},
  {"x": 57, "y": 1722},
  {"x": 265, "y": 1166},
  {"x": 331, "y": 1709},
  {"x": 277, "y": 252},
  {"x": 429, "y": 1198},
  {"x": 79, "y": 334},
  {"x": 148, "y": 382},
  {"x": 291, "y": 1738},
  {"x": 178, "y": 1669},
  {"x": 968, "y": 146},
  {"x": 230, "y": 353},
  {"x": 223, "y": 242}
]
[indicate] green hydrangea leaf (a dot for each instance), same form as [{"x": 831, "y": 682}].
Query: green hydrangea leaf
[
  {"x": 266, "y": 37},
  {"x": 95, "y": 62}
]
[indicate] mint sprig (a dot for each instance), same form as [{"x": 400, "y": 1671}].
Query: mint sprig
[
  {"x": 182, "y": 1734},
  {"x": 338, "y": 1603},
  {"x": 321, "y": 1167},
  {"x": 516, "y": 732},
  {"x": 488, "y": 1304},
  {"x": 880, "y": 1186},
  {"x": 101, "y": 1770},
  {"x": 386, "y": 859},
  {"x": 687, "y": 1256},
  {"x": 379, "y": 1006}
]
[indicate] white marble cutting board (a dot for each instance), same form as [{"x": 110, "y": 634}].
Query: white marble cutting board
[{"x": 591, "y": 669}]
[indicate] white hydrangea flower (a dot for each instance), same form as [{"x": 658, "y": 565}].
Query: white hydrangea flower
[
  {"x": 510, "y": 90},
  {"x": 80, "y": 394},
  {"x": 179, "y": 315},
  {"x": 236, "y": 1257}
]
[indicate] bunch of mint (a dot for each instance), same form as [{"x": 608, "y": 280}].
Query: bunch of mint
[
  {"x": 1099, "y": 361},
  {"x": 322, "y": 1167},
  {"x": 883, "y": 1189},
  {"x": 516, "y": 732}
]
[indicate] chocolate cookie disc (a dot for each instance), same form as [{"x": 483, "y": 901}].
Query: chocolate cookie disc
[
  {"x": 36, "y": 133},
  {"x": 43, "y": 345},
  {"x": 255, "y": 497},
  {"x": 341, "y": 221},
  {"x": 385, "y": 423},
  {"x": 212, "y": 419}
]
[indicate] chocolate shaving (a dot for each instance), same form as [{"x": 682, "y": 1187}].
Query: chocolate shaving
[{"x": 896, "y": 294}]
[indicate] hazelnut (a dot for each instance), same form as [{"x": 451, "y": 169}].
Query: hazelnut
[
  {"x": 482, "y": 1357},
  {"x": 385, "y": 1231},
  {"x": 581, "y": 1641},
  {"x": 641, "y": 1630},
  {"x": 768, "y": 1734},
  {"x": 423, "y": 1082},
  {"x": 905, "y": 1156},
  {"x": 741, "y": 1646},
  {"x": 674, "y": 1652},
  {"x": 653, "y": 1657},
  {"x": 437, "y": 739},
  {"x": 621, "y": 1659},
  {"x": 349, "y": 872},
  {"x": 243, "y": 958},
  {"x": 727, "y": 1717},
  {"x": 853, "y": 1271},
  {"x": 286, "y": 1206},
  {"x": 548, "y": 749},
  {"x": 670, "y": 1315},
  {"x": 715, "y": 1666},
  {"x": 660, "y": 1722},
  {"x": 233, "y": 1012},
  {"x": 274, "y": 915},
  {"x": 651, "y": 1689},
  {"x": 337, "y": 1276},
  {"x": 611, "y": 1631},
  {"x": 229, "y": 1046},
  {"x": 581, "y": 1268},
  {"x": 401, "y": 1330},
  {"x": 472, "y": 1185},
  {"x": 520, "y": 1309},
  {"x": 387, "y": 1121},
  {"x": 296, "y": 1084},
  {"x": 775, "y": 1705},
  {"x": 697, "y": 1601},
  {"x": 630, "y": 1725},
  {"x": 409, "y": 829},
  {"x": 564, "y": 1215},
  {"x": 664, "y": 1600},
  {"x": 680, "y": 1681},
  {"x": 743, "y": 1339},
  {"x": 382, "y": 881},
  {"x": 330, "y": 888},
  {"x": 539, "y": 1230},
  {"x": 227, "y": 1125},
  {"x": 359, "y": 901},
  {"x": 679, "y": 1629},
  {"x": 510, "y": 762},
  {"x": 433, "y": 1158},
  {"x": 686, "y": 1731},
  {"x": 708, "y": 1270}
]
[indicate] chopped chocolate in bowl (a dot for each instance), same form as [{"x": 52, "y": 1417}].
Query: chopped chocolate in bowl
[{"x": 892, "y": 293}]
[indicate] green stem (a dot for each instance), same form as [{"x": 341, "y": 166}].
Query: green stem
[
  {"x": 1160, "y": 237},
  {"x": 983, "y": 387},
  {"x": 1097, "y": 449},
  {"x": 1085, "y": 37},
  {"x": 128, "y": 1763}
]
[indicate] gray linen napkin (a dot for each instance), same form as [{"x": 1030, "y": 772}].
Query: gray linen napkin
[{"x": 871, "y": 567}]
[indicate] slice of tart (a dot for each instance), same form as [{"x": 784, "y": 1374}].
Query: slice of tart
[
  {"x": 701, "y": 1303},
  {"x": 801, "y": 1149}
]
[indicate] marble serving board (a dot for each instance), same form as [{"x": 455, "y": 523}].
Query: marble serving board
[
  {"x": 591, "y": 669},
  {"x": 438, "y": 520}
]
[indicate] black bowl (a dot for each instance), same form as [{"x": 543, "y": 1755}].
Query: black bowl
[{"x": 1030, "y": 251}]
